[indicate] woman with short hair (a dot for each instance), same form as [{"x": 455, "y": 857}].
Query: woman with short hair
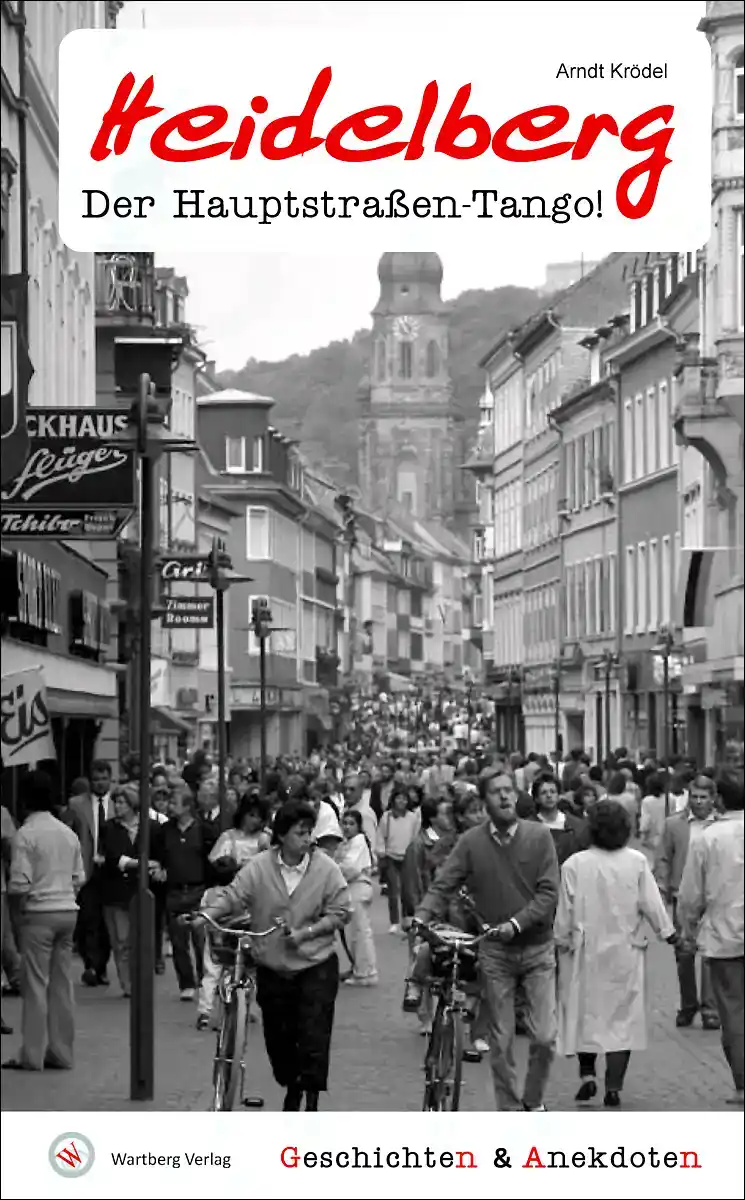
[
  {"x": 119, "y": 875},
  {"x": 297, "y": 973},
  {"x": 607, "y": 893}
]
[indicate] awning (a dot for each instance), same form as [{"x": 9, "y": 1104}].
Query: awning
[
  {"x": 75, "y": 705},
  {"x": 169, "y": 721}
]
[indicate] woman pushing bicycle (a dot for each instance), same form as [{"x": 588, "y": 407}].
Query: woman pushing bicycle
[{"x": 297, "y": 969}]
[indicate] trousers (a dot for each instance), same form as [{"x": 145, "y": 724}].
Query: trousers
[
  {"x": 48, "y": 1020},
  {"x": 616, "y": 1066},
  {"x": 505, "y": 970},
  {"x": 298, "y": 1018},
  {"x": 117, "y": 925},
  {"x": 727, "y": 981}
]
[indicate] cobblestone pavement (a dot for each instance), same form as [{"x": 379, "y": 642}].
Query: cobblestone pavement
[{"x": 377, "y": 1054}]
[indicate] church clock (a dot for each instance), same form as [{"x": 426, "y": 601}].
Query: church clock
[{"x": 406, "y": 328}]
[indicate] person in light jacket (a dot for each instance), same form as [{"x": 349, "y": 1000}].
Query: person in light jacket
[
  {"x": 398, "y": 827},
  {"x": 606, "y": 894},
  {"x": 297, "y": 972},
  {"x": 354, "y": 858}
]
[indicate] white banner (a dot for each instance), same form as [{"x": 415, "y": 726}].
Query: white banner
[
  {"x": 476, "y": 1155},
  {"x": 26, "y": 727}
]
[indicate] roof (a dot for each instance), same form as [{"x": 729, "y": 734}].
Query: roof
[
  {"x": 588, "y": 302},
  {"x": 592, "y": 299},
  {"x": 236, "y": 396}
]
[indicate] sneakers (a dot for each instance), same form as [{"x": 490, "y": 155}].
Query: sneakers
[
  {"x": 395, "y": 929},
  {"x": 187, "y": 994},
  {"x": 481, "y": 1045},
  {"x": 361, "y": 981},
  {"x": 203, "y": 1021},
  {"x": 412, "y": 996}
]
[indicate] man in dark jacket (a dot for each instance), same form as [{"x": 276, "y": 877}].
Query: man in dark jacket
[{"x": 510, "y": 869}]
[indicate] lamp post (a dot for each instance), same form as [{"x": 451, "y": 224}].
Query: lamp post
[
  {"x": 148, "y": 411},
  {"x": 609, "y": 661},
  {"x": 261, "y": 624},
  {"x": 663, "y": 651},
  {"x": 219, "y": 579},
  {"x": 557, "y": 710}
]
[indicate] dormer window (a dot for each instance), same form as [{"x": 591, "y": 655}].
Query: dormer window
[{"x": 235, "y": 455}]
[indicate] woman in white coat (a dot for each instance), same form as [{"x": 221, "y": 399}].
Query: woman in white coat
[{"x": 607, "y": 894}]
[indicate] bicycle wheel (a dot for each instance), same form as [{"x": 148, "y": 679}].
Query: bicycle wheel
[
  {"x": 445, "y": 1063},
  {"x": 226, "y": 1073}
]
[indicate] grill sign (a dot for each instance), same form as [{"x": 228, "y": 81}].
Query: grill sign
[
  {"x": 194, "y": 570},
  {"x": 186, "y": 612},
  {"x": 71, "y": 467}
]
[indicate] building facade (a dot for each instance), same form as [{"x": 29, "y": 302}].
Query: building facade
[
  {"x": 500, "y": 488},
  {"x": 586, "y": 420},
  {"x": 287, "y": 548},
  {"x": 47, "y": 587},
  {"x": 554, "y": 362},
  {"x": 411, "y": 437},
  {"x": 708, "y": 410},
  {"x": 642, "y": 365}
]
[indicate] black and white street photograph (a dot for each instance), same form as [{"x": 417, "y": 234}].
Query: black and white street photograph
[{"x": 375, "y": 742}]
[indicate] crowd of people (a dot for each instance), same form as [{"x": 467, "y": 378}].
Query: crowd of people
[{"x": 572, "y": 866}]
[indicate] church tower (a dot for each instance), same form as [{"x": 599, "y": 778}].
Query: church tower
[{"x": 409, "y": 428}]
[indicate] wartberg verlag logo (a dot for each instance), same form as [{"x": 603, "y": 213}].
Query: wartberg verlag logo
[{"x": 71, "y": 1155}]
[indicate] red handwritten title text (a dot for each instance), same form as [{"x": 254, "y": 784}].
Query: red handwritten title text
[{"x": 186, "y": 137}]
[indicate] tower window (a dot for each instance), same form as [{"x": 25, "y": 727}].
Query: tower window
[
  {"x": 405, "y": 360},
  {"x": 739, "y": 84},
  {"x": 433, "y": 359}
]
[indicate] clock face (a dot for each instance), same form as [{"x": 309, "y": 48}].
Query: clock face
[{"x": 406, "y": 327}]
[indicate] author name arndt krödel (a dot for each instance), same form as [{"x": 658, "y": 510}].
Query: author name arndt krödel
[{"x": 615, "y": 70}]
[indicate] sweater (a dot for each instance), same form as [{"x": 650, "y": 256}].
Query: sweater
[
  {"x": 395, "y": 833},
  {"x": 517, "y": 881},
  {"x": 260, "y": 890}
]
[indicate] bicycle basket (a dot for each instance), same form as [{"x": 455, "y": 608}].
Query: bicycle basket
[{"x": 442, "y": 956}]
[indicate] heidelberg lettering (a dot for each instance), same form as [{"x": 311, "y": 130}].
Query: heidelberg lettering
[{"x": 188, "y": 137}]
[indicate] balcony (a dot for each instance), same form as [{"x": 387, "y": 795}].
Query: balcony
[
  {"x": 704, "y": 419},
  {"x": 125, "y": 290}
]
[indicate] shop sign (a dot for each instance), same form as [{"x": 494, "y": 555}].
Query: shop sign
[
  {"x": 38, "y": 597},
  {"x": 250, "y": 697},
  {"x": 188, "y": 612},
  {"x": 90, "y": 624},
  {"x": 74, "y": 472},
  {"x": 51, "y": 525},
  {"x": 190, "y": 570},
  {"x": 15, "y": 374},
  {"x": 25, "y": 724}
]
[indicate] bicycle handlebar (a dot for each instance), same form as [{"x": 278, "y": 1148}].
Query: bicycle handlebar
[
  {"x": 279, "y": 924},
  {"x": 467, "y": 939}
]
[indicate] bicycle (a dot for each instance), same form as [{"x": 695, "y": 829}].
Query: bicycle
[
  {"x": 231, "y": 949},
  {"x": 454, "y": 963}
]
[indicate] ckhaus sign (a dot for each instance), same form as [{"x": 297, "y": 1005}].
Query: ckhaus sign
[{"x": 76, "y": 482}]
